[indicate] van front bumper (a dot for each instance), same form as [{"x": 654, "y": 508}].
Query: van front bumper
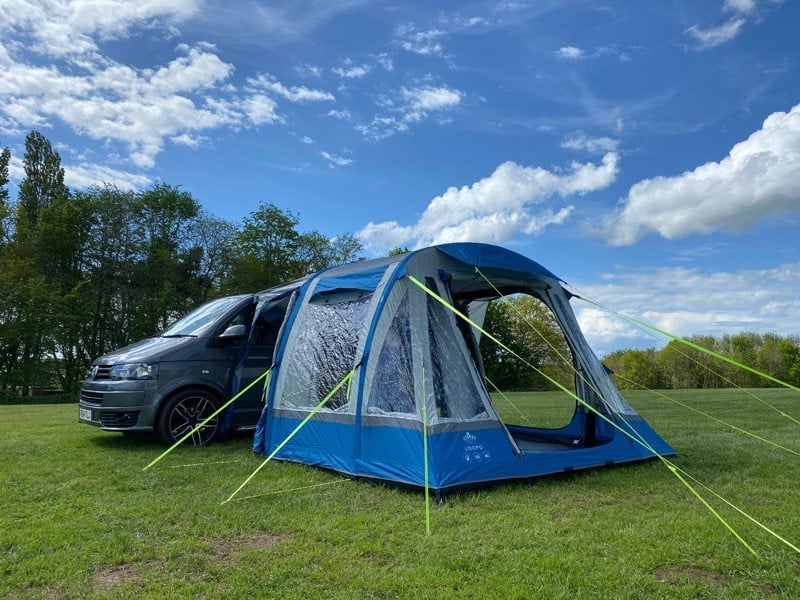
[{"x": 117, "y": 405}]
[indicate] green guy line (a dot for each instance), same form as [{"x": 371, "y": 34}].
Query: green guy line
[
  {"x": 712, "y": 417},
  {"x": 214, "y": 462},
  {"x": 346, "y": 379},
  {"x": 523, "y": 416},
  {"x": 211, "y": 416},
  {"x": 646, "y": 327},
  {"x": 691, "y": 344},
  {"x": 738, "y": 387},
  {"x": 425, "y": 455},
  {"x": 292, "y": 490}
]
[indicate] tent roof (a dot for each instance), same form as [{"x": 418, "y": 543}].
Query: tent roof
[
  {"x": 487, "y": 256},
  {"x": 500, "y": 262}
]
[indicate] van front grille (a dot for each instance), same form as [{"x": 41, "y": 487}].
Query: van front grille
[
  {"x": 98, "y": 372},
  {"x": 90, "y": 397}
]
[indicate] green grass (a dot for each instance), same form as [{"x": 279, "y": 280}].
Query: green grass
[{"x": 81, "y": 519}]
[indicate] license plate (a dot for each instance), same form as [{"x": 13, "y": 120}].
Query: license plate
[{"x": 84, "y": 414}]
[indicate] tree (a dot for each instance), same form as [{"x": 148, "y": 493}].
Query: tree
[
  {"x": 215, "y": 238},
  {"x": 5, "y": 159},
  {"x": 687, "y": 368},
  {"x": 502, "y": 368},
  {"x": 43, "y": 182},
  {"x": 316, "y": 251},
  {"x": 86, "y": 272},
  {"x": 771, "y": 359},
  {"x": 635, "y": 368},
  {"x": 24, "y": 316},
  {"x": 62, "y": 238},
  {"x": 743, "y": 348},
  {"x": 269, "y": 250},
  {"x": 790, "y": 349},
  {"x": 264, "y": 251},
  {"x": 529, "y": 328},
  {"x": 109, "y": 264},
  {"x": 164, "y": 278},
  {"x": 30, "y": 277}
]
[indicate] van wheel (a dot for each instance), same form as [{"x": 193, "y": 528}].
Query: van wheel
[{"x": 184, "y": 412}]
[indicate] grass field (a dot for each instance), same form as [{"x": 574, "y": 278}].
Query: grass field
[{"x": 81, "y": 519}]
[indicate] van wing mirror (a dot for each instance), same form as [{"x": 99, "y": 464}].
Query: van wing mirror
[{"x": 234, "y": 332}]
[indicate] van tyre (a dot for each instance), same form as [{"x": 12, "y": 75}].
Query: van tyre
[{"x": 183, "y": 412}]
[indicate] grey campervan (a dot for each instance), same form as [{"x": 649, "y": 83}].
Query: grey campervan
[{"x": 171, "y": 382}]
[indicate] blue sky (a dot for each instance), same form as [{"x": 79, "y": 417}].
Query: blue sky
[{"x": 646, "y": 152}]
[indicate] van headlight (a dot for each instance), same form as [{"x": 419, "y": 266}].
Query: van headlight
[{"x": 141, "y": 371}]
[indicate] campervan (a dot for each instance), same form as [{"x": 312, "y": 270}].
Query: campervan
[{"x": 169, "y": 383}]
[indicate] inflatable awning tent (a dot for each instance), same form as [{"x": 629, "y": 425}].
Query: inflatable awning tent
[{"x": 414, "y": 376}]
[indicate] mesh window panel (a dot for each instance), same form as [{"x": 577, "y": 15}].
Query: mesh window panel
[
  {"x": 393, "y": 382},
  {"x": 324, "y": 351},
  {"x": 454, "y": 388}
]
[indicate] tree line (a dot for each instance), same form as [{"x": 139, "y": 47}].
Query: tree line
[
  {"x": 85, "y": 272},
  {"x": 677, "y": 365}
]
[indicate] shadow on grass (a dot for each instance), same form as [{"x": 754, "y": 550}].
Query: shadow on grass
[
  {"x": 120, "y": 441},
  {"x": 137, "y": 440}
]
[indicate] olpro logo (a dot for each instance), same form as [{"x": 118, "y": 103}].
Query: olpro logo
[{"x": 474, "y": 450}]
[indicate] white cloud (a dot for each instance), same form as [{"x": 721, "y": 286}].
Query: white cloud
[
  {"x": 199, "y": 69},
  {"x": 743, "y": 12},
  {"x": 293, "y": 94},
  {"x": 260, "y": 109},
  {"x": 86, "y": 175},
  {"x": 142, "y": 107},
  {"x": 495, "y": 208},
  {"x": 98, "y": 97},
  {"x": 596, "y": 145},
  {"x": 716, "y": 36},
  {"x": 342, "y": 115},
  {"x": 606, "y": 332},
  {"x": 308, "y": 71},
  {"x": 570, "y": 53},
  {"x": 417, "y": 104},
  {"x": 335, "y": 161},
  {"x": 425, "y": 43},
  {"x": 422, "y": 100},
  {"x": 467, "y": 23},
  {"x": 686, "y": 302},
  {"x": 63, "y": 28},
  {"x": 740, "y": 6},
  {"x": 758, "y": 178},
  {"x": 138, "y": 107},
  {"x": 351, "y": 70},
  {"x": 187, "y": 140},
  {"x": 385, "y": 61}
]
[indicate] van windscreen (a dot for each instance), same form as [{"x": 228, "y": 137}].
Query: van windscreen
[{"x": 197, "y": 321}]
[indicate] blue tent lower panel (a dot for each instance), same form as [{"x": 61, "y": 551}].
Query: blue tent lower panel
[
  {"x": 457, "y": 458},
  {"x": 319, "y": 443},
  {"x": 479, "y": 457}
]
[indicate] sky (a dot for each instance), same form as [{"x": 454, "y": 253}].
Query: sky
[{"x": 648, "y": 153}]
